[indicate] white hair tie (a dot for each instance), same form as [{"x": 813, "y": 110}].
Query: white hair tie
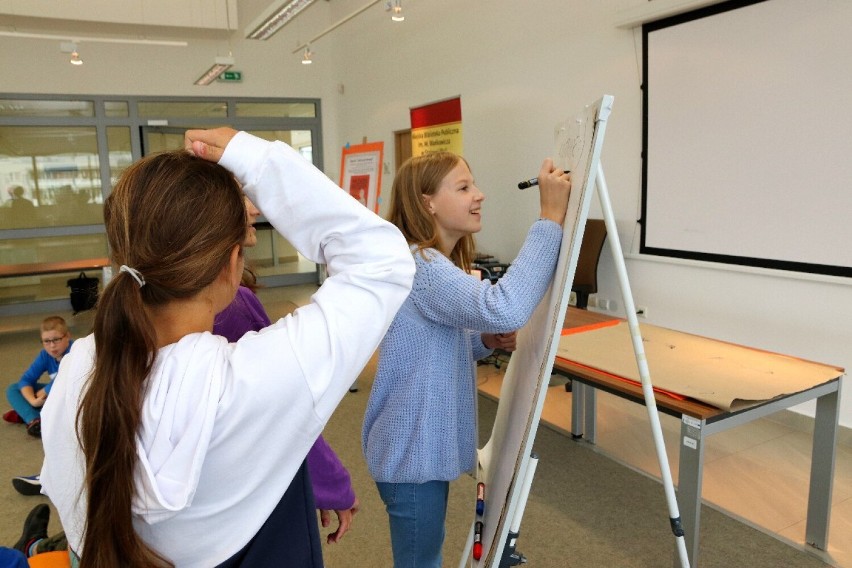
[{"x": 134, "y": 273}]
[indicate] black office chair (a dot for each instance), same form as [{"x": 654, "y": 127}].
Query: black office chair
[{"x": 586, "y": 275}]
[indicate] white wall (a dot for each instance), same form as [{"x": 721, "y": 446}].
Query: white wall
[{"x": 519, "y": 69}]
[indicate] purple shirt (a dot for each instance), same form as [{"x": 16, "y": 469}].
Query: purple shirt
[{"x": 329, "y": 479}]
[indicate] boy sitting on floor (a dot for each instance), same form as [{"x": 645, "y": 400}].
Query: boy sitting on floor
[{"x": 27, "y": 396}]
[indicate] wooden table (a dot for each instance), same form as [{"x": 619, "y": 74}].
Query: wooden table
[{"x": 700, "y": 420}]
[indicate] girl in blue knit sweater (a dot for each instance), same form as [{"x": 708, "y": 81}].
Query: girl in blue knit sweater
[{"x": 420, "y": 425}]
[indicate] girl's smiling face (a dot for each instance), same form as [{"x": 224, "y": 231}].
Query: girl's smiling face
[{"x": 456, "y": 206}]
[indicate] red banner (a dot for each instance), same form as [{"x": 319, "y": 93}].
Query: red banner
[{"x": 437, "y": 126}]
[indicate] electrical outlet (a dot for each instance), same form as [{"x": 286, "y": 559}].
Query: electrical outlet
[
  {"x": 642, "y": 311},
  {"x": 572, "y": 299}
]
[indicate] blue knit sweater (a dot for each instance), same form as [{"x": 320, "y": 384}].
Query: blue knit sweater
[{"x": 420, "y": 423}]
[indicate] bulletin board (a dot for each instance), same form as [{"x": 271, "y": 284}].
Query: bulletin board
[{"x": 361, "y": 172}]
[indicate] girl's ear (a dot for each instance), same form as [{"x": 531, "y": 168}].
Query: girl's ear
[
  {"x": 236, "y": 263},
  {"x": 427, "y": 202}
]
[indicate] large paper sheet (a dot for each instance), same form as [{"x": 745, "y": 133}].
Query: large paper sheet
[
  {"x": 724, "y": 375},
  {"x": 578, "y": 145}
]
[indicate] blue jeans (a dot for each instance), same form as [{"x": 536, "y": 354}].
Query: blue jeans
[
  {"x": 25, "y": 410},
  {"x": 417, "y": 514}
]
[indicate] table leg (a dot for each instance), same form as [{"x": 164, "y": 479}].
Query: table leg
[
  {"x": 578, "y": 394},
  {"x": 690, "y": 474},
  {"x": 591, "y": 414},
  {"x": 822, "y": 470},
  {"x": 584, "y": 412}
]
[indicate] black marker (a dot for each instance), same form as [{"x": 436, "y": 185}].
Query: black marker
[{"x": 534, "y": 181}]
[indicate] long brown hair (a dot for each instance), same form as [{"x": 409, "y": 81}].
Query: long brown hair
[
  {"x": 419, "y": 176},
  {"x": 174, "y": 218}
]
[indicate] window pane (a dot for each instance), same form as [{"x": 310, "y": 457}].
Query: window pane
[
  {"x": 45, "y": 249},
  {"x": 50, "y": 177},
  {"x": 116, "y": 109},
  {"x": 120, "y": 156},
  {"x": 52, "y": 249},
  {"x": 161, "y": 140},
  {"x": 49, "y": 109},
  {"x": 273, "y": 255},
  {"x": 298, "y": 139},
  {"x": 276, "y": 110},
  {"x": 166, "y": 109}
]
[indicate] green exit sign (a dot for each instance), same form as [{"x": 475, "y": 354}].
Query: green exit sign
[{"x": 231, "y": 76}]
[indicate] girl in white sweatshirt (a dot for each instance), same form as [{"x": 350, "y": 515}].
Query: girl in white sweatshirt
[{"x": 166, "y": 445}]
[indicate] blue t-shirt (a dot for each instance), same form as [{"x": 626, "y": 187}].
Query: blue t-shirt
[{"x": 44, "y": 363}]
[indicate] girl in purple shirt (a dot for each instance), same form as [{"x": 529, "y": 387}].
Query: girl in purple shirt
[{"x": 323, "y": 472}]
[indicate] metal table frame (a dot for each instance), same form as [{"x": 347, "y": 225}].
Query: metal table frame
[{"x": 697, "y": 426}]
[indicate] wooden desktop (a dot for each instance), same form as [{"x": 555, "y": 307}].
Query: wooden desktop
[{"x": 700, "y": 420}]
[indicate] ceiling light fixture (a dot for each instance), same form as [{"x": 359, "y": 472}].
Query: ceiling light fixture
[
  {"x": 220, "y": 65},
  {"x": 396, "y": 11},
  {"x": 306, "y": 57},
  {"x": 71, "y": 47},
  {"x": 139, "y": 41},
  {"x": 276, "y": 17}
]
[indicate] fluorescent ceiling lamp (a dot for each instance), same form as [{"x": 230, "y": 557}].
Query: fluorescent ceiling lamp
[
  {"x": 220, "y": 65},
  {"x": 134, "y": 41},
  {"x": 275, "y": 17}
]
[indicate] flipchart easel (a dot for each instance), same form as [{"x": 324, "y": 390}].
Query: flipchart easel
[{"x": 498, "y": 531}]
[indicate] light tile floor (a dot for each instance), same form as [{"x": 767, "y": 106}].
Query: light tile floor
[{"x": 757, "y": 472}]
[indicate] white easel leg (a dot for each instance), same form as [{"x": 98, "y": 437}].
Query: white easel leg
[
  {"x": 509, "y": 556},
  {"x": 642, "y": 363}
]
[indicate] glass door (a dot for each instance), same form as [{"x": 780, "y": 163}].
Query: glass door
[{"x": 274, "y": 260}]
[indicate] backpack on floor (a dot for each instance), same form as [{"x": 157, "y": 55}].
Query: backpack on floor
[{"x": 84, "y": 293}]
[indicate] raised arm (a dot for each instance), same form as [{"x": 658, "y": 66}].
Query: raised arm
[{"x": 369, "y": 264}]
